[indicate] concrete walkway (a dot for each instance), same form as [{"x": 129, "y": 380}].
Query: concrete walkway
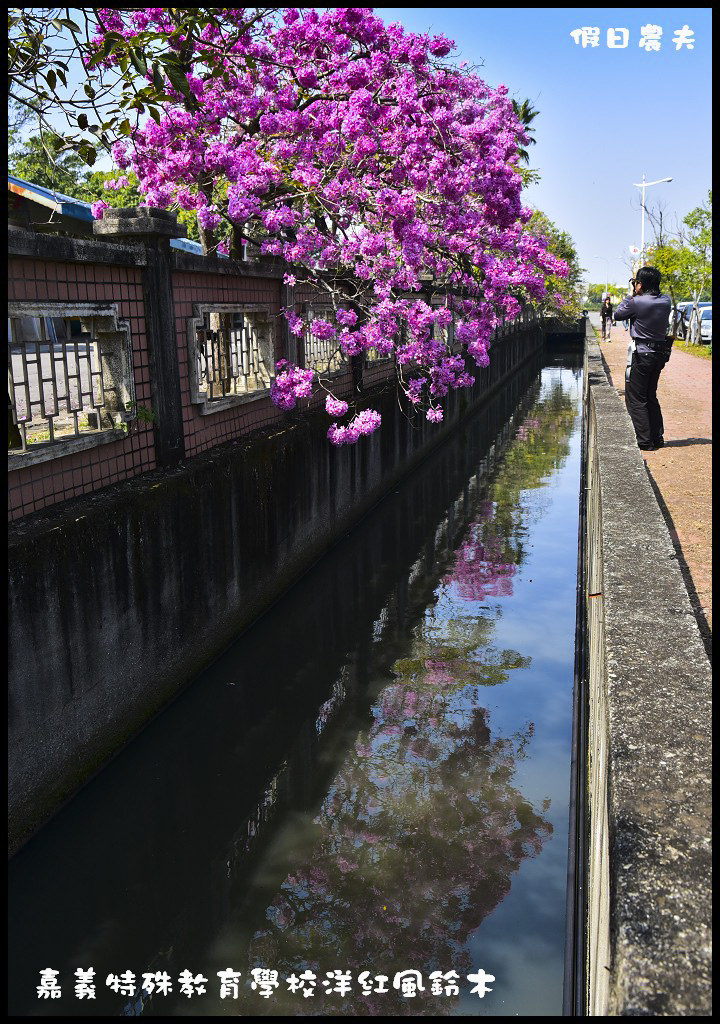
[{"x": 681, "y": 472}]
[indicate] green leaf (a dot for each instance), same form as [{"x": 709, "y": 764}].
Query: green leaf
[
  {"x": 179, "y": 81},
  {"x": 51, "y": 79},
  {"x": 82, "y": 122},
  {"x": 88, "y": 153},
  {"x": 138, "y": 61},
  {"x": 89, "y": 91},
  {"x": 125, "y": 128},
  {"x": 102, "y": 54},
  {"x": 158, "y": 79},
  {"x": 154, "y": 114}
]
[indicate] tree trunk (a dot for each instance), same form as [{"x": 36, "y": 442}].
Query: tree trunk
[{"x": 207, "y": 235}]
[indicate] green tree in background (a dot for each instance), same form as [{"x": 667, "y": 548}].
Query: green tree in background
[
  {"x": 42, "y": 160},
  {"x": 685, "y": 261},
  {"x": 698, "y": 239},
  {"x": 570, "y": 288},
  {"x": 595, "y": 293},
  {"x": 526, "y": 113}
]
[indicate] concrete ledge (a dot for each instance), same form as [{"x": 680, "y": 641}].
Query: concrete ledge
[
  {"x": 229, "y": 268},
  {"x": 649, "y": 741},
  {"x": 73, "y": 250}
]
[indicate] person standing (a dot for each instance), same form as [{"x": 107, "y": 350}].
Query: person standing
[
  {"x": 648, "y": 312},
  {"x": 607, "y": 315}
]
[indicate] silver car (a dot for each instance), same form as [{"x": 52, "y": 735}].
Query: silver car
[
  {"x": 682, "y": 327},
  {"x": 706, "y": 325}
]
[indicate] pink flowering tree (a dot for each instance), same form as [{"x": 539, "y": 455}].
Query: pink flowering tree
[{"x": 357, "y": 152}]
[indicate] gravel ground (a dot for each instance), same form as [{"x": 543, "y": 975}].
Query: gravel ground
[{"x": 681, "y": 472}]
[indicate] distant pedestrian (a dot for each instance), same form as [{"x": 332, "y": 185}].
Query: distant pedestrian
[
  {"x": 607, "y": 316},
  {"x": 648, "y": 312}
]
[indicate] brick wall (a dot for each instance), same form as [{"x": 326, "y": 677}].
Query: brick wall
[{"x": 38, "y": 486}]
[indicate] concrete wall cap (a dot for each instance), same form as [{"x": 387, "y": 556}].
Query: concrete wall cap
[
  {"x": 120, "y": 212},
  {"x": 139, "y": 220}
]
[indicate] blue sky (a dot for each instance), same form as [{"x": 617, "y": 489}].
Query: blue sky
[{"x": 607, "y": 116}]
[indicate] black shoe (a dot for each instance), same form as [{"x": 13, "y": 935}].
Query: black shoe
[
  {"x": 659, "y": 444},
  {"x": 648, "y": 447}
]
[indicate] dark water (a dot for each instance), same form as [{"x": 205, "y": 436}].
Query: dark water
[{"x": 373, "y": 779}]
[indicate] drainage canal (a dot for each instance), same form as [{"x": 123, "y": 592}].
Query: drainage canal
[{"x": 374, "y": 778}]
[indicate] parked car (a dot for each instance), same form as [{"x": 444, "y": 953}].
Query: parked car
[
  {"x": 706, "y": 325},
  {"x": 676, "y": 312},
  {"x": 684, "y": 309}
]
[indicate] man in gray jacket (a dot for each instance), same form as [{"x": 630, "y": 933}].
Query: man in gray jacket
[{"x": 648, "y": 312}]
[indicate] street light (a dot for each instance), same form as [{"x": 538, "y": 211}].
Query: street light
[
  {"x": 607, "y": 270},
  {"x": 643, "y": 186}
]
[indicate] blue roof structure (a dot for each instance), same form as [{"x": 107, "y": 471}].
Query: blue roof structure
[
  {"x": 48, "y": 197},
  {"x": 69, "y": 207}
]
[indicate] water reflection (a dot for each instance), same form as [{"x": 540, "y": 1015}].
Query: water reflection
[
  {"x": 416, "y": 841},
  {"x": 334, "y": 792},
  {"x": 422, "y": 826}
]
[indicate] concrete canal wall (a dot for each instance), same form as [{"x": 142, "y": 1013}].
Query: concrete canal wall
[
  {"x": 648, "y": 922},
  {"x": 133, "y": 562}
]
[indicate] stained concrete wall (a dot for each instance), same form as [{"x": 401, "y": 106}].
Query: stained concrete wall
[
  {"x": 118, "y": 599},
  {"x": 648, "y": 951}
]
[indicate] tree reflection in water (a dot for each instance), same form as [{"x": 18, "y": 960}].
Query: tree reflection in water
[
  {"x": 422, "y": 828},
  {"x": 417, "y": 840}
]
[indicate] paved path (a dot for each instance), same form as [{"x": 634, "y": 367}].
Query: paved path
[{"x": 682, "y": 470}]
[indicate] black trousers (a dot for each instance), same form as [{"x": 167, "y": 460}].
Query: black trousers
[{"x": 641, "y": 395}]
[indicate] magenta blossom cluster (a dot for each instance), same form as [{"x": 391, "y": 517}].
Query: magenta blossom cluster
[
  {"x": 360, "y": 154},
  {"x": 290, "y": 384},
  {"x": 98, "y": 208},
  {"x": 116, "y": 183},
  {"x": 365, "y": 422},
  {"x": 335, "y": 406}
]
